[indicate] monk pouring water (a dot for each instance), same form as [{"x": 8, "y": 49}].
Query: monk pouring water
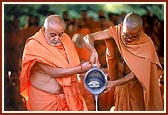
[{"x": 139, "y": 69}]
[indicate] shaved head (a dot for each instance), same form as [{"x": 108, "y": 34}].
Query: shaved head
[
  {"x": 132, "y": 21},
  {"x": 53, "y": 29},
  {"x": 54, "y": 20}
]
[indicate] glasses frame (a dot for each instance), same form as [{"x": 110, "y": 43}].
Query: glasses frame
[{"x": 134, "y": 37}]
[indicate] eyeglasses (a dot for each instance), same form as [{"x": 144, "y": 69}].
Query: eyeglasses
[{"x": 134, "y": 37}]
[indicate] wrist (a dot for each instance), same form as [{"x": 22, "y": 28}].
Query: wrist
[
  {"x": 81, "y": 67},
  {"x": 92, "y": 49}
]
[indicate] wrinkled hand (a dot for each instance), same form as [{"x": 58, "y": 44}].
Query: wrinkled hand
[
  {"x": 110, "y": 85},
  {"x": 86, "y": 66},
  {"x": 94, "y": 58}
]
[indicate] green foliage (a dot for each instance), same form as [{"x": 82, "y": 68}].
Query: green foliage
[{"x": 42, "y": 10}]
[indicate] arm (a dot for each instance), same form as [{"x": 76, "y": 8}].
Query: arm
[
  {"x": 90, "y": 38},
  {"x": 121, "y": 81},
  {"x": 64, "y": 72},
  {"x": 89, "y": 41}
]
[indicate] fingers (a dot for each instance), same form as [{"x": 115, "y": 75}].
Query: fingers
[
  {"x": 92, "y": 63},
  {"x": 97, "y": 63},
  {"x": 94, "y": 60},
  {"x": 107, "y": 89}
]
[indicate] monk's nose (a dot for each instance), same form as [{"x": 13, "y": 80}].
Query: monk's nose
[{"x": 56, "y": 37}]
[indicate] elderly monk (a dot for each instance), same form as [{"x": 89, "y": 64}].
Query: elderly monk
[
  {"x": 137, "y": 88},
  {"x": 50, "y": 65}
]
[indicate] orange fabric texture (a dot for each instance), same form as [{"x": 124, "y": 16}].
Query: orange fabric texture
[
  {"x": 37, "y": 49},
  {"x": 84, "y": 30},
  {"x": 100, "y": 46},
  {"x": 111, "y": 58},
  {"x": 142, "y": 59},
  {"x": 50, "y": 102},
  {"x": 83, "y": 53}
]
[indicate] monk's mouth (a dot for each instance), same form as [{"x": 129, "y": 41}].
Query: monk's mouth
[{"x": 56, "y": 42}]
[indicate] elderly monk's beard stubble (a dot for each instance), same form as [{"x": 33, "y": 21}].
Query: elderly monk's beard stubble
[{"x": 54, "y": 42}]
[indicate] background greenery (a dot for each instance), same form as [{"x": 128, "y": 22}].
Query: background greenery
[{"x": 74, "y": 9}]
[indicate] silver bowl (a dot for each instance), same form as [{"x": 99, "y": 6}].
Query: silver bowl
[{"x": 95, "y": 80}]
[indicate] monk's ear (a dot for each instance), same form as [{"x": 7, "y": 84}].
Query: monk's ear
[{"x": 43, "y": 29}]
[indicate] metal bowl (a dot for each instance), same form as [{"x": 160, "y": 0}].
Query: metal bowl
[{"x": 95, "y": 80}]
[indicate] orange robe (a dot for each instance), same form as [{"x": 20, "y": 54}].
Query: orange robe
[
  {"x": 142, "y": 59},
  {"x": 84, "y": 56},
  {"x": 26, "y": 33},
  {"x": 83, "y": 52},
  {"x": 84, "y": 30},
  {"x": 38, "y": 50}
]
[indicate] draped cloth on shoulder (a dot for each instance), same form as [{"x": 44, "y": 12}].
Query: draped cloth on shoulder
[
  {"x": 37, "y": 49},
  {"x": 142, "y": 59}
]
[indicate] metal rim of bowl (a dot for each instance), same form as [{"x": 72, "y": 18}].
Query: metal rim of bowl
[{"x": 93, "y": 91}]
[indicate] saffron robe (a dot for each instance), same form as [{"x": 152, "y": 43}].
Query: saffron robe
[
  {"x": 143, "y": 61},
  {"x": 38, "y": 50}
]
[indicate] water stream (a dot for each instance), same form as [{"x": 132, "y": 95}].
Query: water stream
[
  {"x": 96, "y": 101},
  {"x": 95, "y": 81}
]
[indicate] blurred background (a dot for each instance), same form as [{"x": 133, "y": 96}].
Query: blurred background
[
  {"x": 23, "y": 20},
  {"x": 41, "y": 10}
]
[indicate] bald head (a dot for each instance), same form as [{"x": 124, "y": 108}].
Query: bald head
[
  {"x": 54, "y": 20},
  {"x": 132, "y": 21}
]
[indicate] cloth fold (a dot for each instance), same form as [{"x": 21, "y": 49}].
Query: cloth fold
[
  {"x": 142, "y": 59},
  {"x": 38, "y": 50}
]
